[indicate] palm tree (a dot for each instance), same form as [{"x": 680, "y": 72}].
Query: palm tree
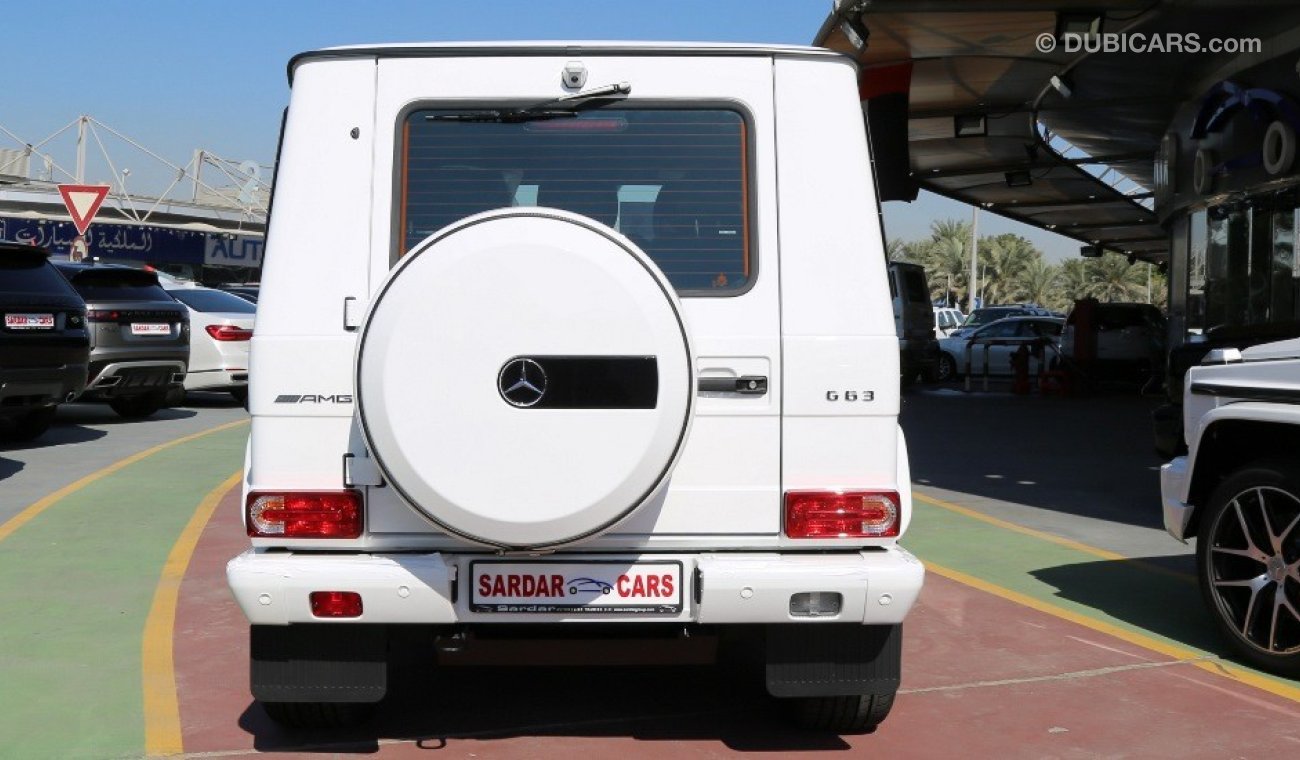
[
  {"x": 1112, "y": 279},
  {"x": 1074, "y": 282},
  {"x": 1039, "y": 282},
  {"x": 1006, "y": 258},
  {"x": 896, "y": 250},
  {"x": 945, "y": 258}
]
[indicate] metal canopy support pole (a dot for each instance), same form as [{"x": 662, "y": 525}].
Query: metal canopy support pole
[
  {"x": 81, "y": 150},
  {"x": 198, "y": 170},
  {"x": 974, "y": 253}
]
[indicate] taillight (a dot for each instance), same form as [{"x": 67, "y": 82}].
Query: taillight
[
  {"x": 228, "y": 332},
  {"x": 335, "y": 604},
  {"x": 841, "y": 514},
  {"x": 307, "y": 514},
  {"x": 102, "y": 315}
]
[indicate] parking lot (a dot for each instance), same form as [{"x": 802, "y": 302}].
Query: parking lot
[{"x": 1058, "y": 619}]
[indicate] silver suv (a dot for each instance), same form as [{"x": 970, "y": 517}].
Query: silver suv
[{"x": 139, "y": 337}]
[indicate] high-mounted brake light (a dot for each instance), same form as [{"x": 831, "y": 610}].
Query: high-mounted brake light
[
  {"x": 228, "y": 332},
  {"x": 335, "y": 604},
  {"x": 306, "y": 514},
  {"x": 841, "y": 514}
]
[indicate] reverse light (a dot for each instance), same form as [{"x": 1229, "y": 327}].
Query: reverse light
[
  {"x": 841, "y": 514},
  {"x": 335, "y": 604},
  {"x": 228, "y": 332},
  {"x": 307, "y": 514}
]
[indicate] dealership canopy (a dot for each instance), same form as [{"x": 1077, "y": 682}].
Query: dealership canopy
[{"x": 1039, "y": 111}]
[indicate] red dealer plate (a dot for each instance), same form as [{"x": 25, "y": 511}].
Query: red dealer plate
[
  {"x": 29, "y": 321},
  {"x": 581, "y": 587},
  {"x": 144, "y": 328}
]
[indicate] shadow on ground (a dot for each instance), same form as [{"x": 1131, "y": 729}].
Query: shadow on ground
[
  {"x": 86, "y": 413},
  {"x": 60, "y": 434},
  {"x": 429, "y": 707},
  {"x": 1090, "y": 456},
  {"x": 1156, "y": 594}
]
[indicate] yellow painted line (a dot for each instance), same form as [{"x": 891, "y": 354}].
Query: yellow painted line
[
  {"x": 39, "y": 506},
  {"x": 1053, "y": 538},
  {"x": 162, "y": 714},
  {"x": 1196, "y": 659}
]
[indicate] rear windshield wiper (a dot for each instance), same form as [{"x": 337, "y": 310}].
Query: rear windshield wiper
[{"x": 565, "y": 106}]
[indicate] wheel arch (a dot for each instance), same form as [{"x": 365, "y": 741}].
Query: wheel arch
[{"x": 1230, "y": 442}]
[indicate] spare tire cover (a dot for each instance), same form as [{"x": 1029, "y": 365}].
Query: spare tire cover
[{"x": 524, "y": 378}]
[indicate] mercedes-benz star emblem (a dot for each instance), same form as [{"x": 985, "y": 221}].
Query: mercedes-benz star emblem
[{"x": 522, "y": 382}]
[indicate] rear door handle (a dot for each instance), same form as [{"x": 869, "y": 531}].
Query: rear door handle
[{"x": 746, "y": 385}]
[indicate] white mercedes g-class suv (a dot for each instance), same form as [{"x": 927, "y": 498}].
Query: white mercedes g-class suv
[
  {"x": 1238, "y": 492},
  {"x": 590, "y": 336}
]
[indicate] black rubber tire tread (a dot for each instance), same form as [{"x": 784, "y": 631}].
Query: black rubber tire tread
[
  {"x": 1275, "y": 472},
  {"x": 28, "y": 426},
  {"x": 853, "y": 714},
  {"x": 137, "y": 407},
  {"x": 240, "y": 395},
  {"x": 951, "y": 374},
  {"x": 317, "y": 715}
]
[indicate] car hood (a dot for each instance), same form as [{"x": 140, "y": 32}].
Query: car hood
[{"x": 1282, "y": 349}]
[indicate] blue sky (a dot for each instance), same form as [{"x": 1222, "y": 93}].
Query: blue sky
[{"x": 177, "y": 76}]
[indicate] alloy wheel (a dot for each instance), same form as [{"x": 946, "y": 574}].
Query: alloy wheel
[{"x": 1254, "y": 568}]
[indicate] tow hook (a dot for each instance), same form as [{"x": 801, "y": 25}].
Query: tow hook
[{"x": 451, "y": 643}]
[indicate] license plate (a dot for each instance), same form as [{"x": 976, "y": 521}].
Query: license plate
[
  {"x": 29, "y": 321},
  {"x": 576, "y": 587},
  {"x": 146, "y": 328}
]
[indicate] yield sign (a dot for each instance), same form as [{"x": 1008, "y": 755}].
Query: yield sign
[{"x": 83, "y": 201}]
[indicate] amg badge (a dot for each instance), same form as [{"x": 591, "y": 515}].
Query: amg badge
[{"x": 314, "y": 398}]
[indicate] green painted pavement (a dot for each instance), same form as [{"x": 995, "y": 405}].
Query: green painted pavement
[
  {"x": 1126, "y": 593},
  {"x": 76, "y": 585}
]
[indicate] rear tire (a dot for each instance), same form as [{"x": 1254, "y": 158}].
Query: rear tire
[
  {"x": 240, "y": 395},
  {"x": 28, "y": 426},
  {"x": 318, "y": 715},
  {"x": 138, "y": 407},
  {"x": 946, "y": 369},
  {"x": 852, "y": 714}
]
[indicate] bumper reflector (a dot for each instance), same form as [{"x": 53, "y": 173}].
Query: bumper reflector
[
  {"x": 841, "y": 514},
  {"x": 816, "y": 604},
  {"x": 335, "y": 604}
]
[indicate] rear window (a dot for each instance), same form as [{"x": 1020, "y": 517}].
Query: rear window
[
  {"x": 675, "y": 181},
  {"x": 24, "y": 273},
  {"x": 118, "y": 285},
  {"x": 213, "y": 301}
]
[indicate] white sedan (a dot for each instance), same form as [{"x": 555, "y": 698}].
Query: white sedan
[
  {"x": 952, "y": 350},
  {"x": 221, "y": 325}
]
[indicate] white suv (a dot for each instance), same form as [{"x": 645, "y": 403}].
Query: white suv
[
  {"x": 570, "y": 354},
  {"x": 1237, "y": 491}
]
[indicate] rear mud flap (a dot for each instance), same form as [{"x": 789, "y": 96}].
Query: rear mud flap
[
  {"x": 319, "y": 663},
  {"x": 826, "y": 660}
]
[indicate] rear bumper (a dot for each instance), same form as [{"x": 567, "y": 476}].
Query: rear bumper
[
  {"x": 129, "y": 378},
  {"x": 216, "y": 379},
  {"x": 878, "y": 587},
  {"x": 27, "y": 388},
  {"x": 1173, "y": 484}
]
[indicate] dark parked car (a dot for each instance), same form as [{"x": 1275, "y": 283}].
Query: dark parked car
[
  {"x": 44, "y": 346},
  {"x": 139, "y": 337}
]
